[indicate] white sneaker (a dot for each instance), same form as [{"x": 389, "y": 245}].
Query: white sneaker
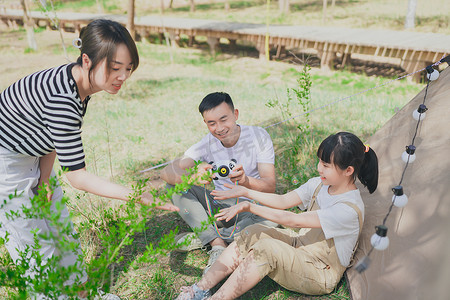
[
  {"x": 193, "y": 292},
  {"x": 188, "y": 241},
  {"x": 214, "y": 254}
]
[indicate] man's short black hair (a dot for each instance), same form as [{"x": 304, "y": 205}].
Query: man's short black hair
[{"x": 213, "y": 100}]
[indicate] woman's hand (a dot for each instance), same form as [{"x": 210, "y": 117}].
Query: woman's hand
[
  {"x": 228, "y": 213},
  {"x": 147, "y": 199},
  {"x": 44, "y": 187},
  {"x": 45, "y": 168},
  {"x": 235, "y": 191}
]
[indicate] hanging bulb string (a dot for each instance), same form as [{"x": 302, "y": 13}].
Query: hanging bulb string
[
  {"x": 418, "y": 121},
  {"x": 365, "y": 261},
  {"x": 208, "y": 204},
  {"x": 407, "y": 162}
]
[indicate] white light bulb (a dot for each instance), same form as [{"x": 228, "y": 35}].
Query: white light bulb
[
  {"x": 416, "y": 115},
  {"x": 379, "y": 243},
  {"x": 433, "y": 75},
  {"x": 405, "y": 155},
  {"x": 379, "y": 240},
  {"x": 400, "y": 201}
]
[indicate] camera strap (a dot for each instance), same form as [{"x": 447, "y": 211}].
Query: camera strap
[{"x": 208, "y": 204}]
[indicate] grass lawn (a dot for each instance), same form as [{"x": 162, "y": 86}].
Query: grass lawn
[{"x": 154, "y": 119}]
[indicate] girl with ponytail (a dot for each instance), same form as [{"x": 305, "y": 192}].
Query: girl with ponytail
[{"x": 313, "y": 260}]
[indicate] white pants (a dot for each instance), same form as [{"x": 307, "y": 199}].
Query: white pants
[{"x": 21, "y": 173}]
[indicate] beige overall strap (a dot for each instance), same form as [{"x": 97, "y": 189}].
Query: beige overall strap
[
  {"x": 358, "y": 211},
  {"x": 360, "y": 219},
  {"x": 313, "y": 199}
]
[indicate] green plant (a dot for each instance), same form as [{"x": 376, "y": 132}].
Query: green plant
[
  {"x": 297, "y": 139},
  {"x": 44, "y": 276},
  {"x": 32, "y": 274}
]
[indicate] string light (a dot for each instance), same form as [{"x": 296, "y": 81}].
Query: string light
[
  {"x": 409, "y": 156},
  {"x": 420, "y": 113},
  {"x": 399, "y": 199},
  {"x": 379, "y": 239},
  {"x": 432, "y": 74},
  {"x": 363, "y": 264}
]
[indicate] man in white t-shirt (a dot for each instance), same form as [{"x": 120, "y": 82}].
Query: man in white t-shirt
[{"x": 250, "y": 149}]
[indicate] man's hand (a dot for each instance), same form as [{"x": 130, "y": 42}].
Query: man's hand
[
  {"x": 238, "y": 174},
  {"x": 204, "y": 175}
]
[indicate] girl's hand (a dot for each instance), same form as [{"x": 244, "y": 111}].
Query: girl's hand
[
  {"x": 235, "y": 191},
  {"x": 228, "y": 213}
]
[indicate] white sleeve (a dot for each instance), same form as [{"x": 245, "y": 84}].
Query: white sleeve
[
  {"x": 198, "y": 151},
  {"x": 306, "y": 191},
  {"x": 338, "y": 220},
  {"x": 265, "y": 153}
]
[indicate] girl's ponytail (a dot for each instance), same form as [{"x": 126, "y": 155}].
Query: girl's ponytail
[{"x": 368, "y": 174}]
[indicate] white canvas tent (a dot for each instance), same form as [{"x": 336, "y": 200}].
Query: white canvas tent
[{"x": 416, "y": 265}]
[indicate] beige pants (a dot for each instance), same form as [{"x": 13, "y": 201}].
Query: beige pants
[{"x": 281, "y": 254}]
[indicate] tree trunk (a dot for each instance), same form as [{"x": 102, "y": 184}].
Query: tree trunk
[
  {"x": 130, "y": 22},
  {"x": 227, "y": 5},
  {"x": 283, "y": 6},
  {"x": 324, "y": 11},
  {"x": 161, "y": 7},
  {"x": 192, "y": 5},
  {"x": 100, "y": 9},
  {"x": 410, "y": 21},
  {"x": 29, "y": 26}
]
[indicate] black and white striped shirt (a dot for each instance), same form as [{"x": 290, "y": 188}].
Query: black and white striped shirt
[{"x": 43, "y": 112}]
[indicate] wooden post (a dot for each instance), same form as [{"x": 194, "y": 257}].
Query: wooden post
[
  {"x": 261, "y": 47},
  {"x": 327, "y": 56},
  {"x": 174, "y": 40},
  {"x": 232, "y": 44},
  {"x": 213, "y": 42}
]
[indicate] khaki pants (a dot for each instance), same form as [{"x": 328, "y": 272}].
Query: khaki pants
[{"x": 281, "y": 254}]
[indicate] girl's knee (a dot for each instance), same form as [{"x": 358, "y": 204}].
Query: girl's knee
[
  {"x": 257, "y": 230},
  {"x": 264, "y": 252}
]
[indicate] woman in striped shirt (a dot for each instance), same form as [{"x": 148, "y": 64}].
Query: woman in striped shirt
[{"x": 41, "y": 117}]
